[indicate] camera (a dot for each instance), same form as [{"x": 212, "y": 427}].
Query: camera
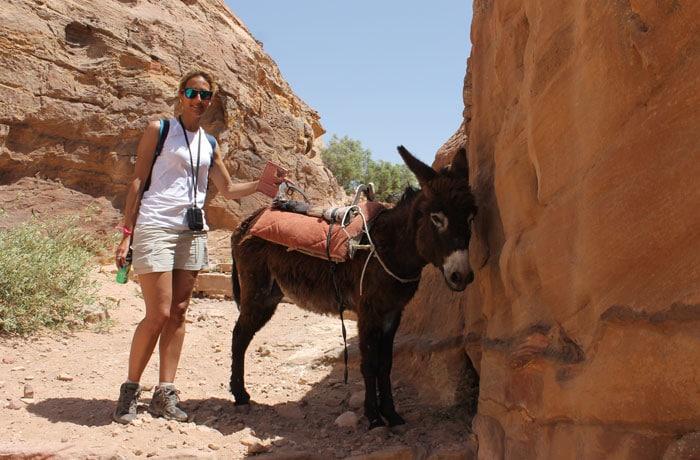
[{"x": 195, "y": 218}]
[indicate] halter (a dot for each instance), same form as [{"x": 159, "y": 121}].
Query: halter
[{"x": 373, "y": 252}]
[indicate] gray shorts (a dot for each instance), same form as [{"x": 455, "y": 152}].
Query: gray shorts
[{"x": 158, "y": 249}]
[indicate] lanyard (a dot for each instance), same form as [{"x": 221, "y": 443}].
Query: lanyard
[{"x": 195, "y": 177}]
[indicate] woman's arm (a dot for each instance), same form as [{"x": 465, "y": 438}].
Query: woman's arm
[
  {"x": 145, "y": 154},
  {"x": 222, "y": 179}
]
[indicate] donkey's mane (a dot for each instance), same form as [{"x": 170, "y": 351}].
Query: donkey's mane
[{"x": 408, "y": 196}]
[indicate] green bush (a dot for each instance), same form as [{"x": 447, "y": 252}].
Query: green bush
[
  {"x": 352, "y": 165},
  {"x": 44, "y": 275}
]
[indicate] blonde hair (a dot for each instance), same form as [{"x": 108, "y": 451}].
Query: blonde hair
[{"x": 197, "y": 73}]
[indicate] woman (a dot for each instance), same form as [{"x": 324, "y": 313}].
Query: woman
[{"x": 169, "y": 239}]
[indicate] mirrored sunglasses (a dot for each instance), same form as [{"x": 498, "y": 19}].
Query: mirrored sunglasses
[{"x": 191, "y": 93}]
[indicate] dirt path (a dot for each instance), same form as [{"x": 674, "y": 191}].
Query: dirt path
[{"x": 294, "y": 374}]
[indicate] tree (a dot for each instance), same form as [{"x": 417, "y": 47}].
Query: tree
[
  {"x": 390, "y": 179},
  {"x": 347, "y": 160},
  {"x": 352, "y": 165}
]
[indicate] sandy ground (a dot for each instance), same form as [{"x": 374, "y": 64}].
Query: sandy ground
[{"x": 57, "y": 391}]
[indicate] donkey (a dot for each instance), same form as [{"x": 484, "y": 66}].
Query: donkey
[{"x": 430, "y": 225}]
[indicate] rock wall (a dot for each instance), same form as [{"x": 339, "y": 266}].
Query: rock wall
[
  {"x": 82, "y": 79},
  {"x": 585, "y": 152}
]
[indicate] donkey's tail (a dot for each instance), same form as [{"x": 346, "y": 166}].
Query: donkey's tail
[
  {"x": 235, "y": 284},
  {"x": 236, "y": 237}
]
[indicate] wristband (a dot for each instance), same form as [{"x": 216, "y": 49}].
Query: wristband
[{"x": 125, "y": 230}]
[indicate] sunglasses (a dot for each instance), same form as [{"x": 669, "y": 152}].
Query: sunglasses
[{"x": 191, "y": 93}]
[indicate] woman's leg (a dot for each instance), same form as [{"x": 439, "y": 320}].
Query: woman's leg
[
  {"x": 157, "y": 294},
  {"x": 173, "y": 334}
]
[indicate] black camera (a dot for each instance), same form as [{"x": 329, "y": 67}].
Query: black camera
[{"x": 195, "y": 218}]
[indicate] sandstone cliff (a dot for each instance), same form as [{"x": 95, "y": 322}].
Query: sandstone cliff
[
  {"x": 585, "y": 152},
  {"x": 82, "y": 79}
]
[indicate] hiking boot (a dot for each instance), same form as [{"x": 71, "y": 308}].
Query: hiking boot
[
  {"x": 126, "y": 406},
  {"x": 165, "y": 404}
]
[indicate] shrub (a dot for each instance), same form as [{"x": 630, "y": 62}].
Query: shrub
[
  {"x": 352, "y": 165},
  {"x": 44, "y": 275}
]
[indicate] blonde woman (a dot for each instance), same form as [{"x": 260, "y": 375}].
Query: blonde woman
[{"x": 169, "y": 239}]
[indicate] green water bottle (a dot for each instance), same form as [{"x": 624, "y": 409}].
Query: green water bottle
[{"x": 123, "y": 273}]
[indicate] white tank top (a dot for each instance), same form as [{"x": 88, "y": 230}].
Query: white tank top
[{"x": 171, "y": 192}]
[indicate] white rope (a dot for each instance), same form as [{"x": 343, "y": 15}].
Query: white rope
[
  {"x": 397, "y": 278},
  {"x": 373, "y": 252}
]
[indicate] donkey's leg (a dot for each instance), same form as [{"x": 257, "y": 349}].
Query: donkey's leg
[
  {"x": 386, "y": 352},
  {"x": 258, "y": 304},
  {"x": 369, "y": 332}
]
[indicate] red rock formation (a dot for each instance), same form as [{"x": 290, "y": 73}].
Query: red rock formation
[
  {"x": 585, "y": 152},
  {"x": 82, "y": 79}
]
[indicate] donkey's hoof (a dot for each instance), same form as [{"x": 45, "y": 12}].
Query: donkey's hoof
[
  {"x": 394, "y": 419},
  {"x": 376, "y": 423}
]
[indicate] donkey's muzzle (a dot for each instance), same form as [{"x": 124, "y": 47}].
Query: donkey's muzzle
[{"x": 457, "y": 271}]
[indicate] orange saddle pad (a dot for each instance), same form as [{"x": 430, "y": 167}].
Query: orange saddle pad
[{"x": 309, "y": 235}]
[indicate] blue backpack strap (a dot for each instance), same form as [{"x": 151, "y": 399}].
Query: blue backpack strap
[
  {"x": 162, "y": 135},
  {"x": 212, "y": 141}
]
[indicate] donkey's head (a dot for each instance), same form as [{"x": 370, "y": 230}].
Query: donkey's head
[{"x": 443, "y": 213}]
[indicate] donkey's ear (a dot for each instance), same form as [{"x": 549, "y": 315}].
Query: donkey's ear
[
  {"x": 423, "y": 172},
  {"x": 460, "y": 163}
]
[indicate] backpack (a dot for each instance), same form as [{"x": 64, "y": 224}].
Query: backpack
[{"x": 162, "y": 135}]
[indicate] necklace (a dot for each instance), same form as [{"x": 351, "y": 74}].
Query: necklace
[{"x": 195, "y": 176}]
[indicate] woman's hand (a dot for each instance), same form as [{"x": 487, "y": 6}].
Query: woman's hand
[{"x": 122, "y": 251}]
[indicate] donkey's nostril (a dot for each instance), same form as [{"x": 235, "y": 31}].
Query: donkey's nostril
[{"x": 457, "y": 271}]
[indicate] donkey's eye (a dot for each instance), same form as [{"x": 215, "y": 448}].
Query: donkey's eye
[{"x": 439, "y": 220}]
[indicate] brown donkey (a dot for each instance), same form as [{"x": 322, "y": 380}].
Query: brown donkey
[{"x": 430, "y": 225}]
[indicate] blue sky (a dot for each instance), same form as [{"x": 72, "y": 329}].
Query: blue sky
[{"x": 384, "y": 72}]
